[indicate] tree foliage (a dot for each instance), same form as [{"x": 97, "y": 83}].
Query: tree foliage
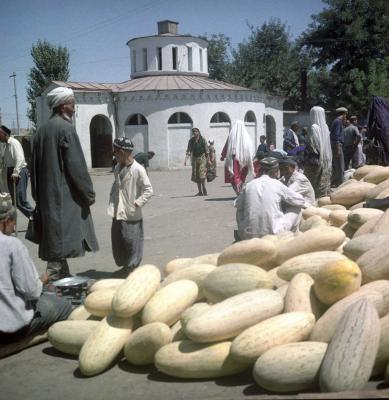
[
  {"x": 350, "y": 38},
  {"x": 51, "y": 63}
]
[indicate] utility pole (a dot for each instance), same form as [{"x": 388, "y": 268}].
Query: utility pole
[{"x": 16, "y": 102}]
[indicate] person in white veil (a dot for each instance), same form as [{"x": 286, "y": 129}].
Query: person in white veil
[
  {"x": 238, "y": 156},
  {"x": 318, "y": 154}
]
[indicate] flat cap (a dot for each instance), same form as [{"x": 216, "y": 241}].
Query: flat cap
[
  {"x": 269, "y": 162},
  {"x": 123, "y": 143},
  {"x": 341, "y": 110},
  {"x": 287, "y": 161}
]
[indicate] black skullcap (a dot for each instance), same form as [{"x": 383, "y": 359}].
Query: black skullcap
[
  {"x": 5, "y": 129},
  {"x": 269, "y": 163},
  {"x": 123, "y": 143},
  {"x": 288, "y": 161}
]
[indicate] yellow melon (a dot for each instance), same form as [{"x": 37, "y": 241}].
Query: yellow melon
[{"x": 337, "y": 280}]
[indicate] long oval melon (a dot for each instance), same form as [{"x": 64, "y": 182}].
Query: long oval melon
[
  {"x": 282, "y": 290},
  {"x": 324, "y": 201},
  {"x": 349, "y": 359},
  {"x": 383, "y": 195},
  {"x": 317, "y": 239},
  {"x": 99, "y": 303},
  {"x": 357, "y": 218},
  {"x": 186, "y": 359},
  {"x": 361, "y": 244},
  {"x": 232, "y": 316},
  {"x": 104, "y": 344},
  {"x": 106, "y": 284},
  {"x": 311, "y": 211},
  {"x": 374, "y": 264},
  {"x": 69, "y": 336},
  {"x": 292, "y": 367},
  {"x": 142, "y": 345},
  {"x": 301, "y": 297},
  {"x": 310, "y": 263},
  {"x": 381, "y": 286},
  {"x": 136, "y": 291},
  {"x": 79, "y": 313},
  {"x": 231, "y": 279},
  {"x": 177, "y": 332},
  {"x": 277, "y": 281},
  {"x": 281, "y": 329},
  {"x": 176, "y": 264},
  {"x": 378, "y": 175},
  {"x": 382, "y": 358},
  {"x": 351, "y": 194},
  {"x": 168, "y": 303},
  {"x": 325, "y": 326},
  {"x": 253, "y": 251},
  {"x": 207, "y": 259},
  {"x": 382, "y": 225},
  {"x": 375, "y": 191},
  {"x": 334, "y": 207},
  {"x": 357, "y": 206},
  {"x": 361, "y": 172}
]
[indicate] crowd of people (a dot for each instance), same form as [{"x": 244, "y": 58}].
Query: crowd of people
[{"x": 313, "y": 159}]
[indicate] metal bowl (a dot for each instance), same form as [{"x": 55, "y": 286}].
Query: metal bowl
[{"x": 71, "y": 281}]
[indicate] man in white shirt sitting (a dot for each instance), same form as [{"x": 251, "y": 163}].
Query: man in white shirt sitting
[
  {"x": 296, "y": 181},
  {"x": 17, "y": 172},
  {"x": 267, "y": 206}
]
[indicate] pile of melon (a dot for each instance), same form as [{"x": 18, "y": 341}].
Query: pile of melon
[{"x": 301, "y": 311}]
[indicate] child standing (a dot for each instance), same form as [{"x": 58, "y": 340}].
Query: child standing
[{"x": 130, "y": 192}]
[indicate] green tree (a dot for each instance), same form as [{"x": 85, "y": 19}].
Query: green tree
[
  {"x": 350, "y": 39},
  {"x": 269, "y": 61},
  {"x": 51, "y": 63},
  {"x": 219, "y": 57}
]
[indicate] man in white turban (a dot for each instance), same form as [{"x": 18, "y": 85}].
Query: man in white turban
[
  {"x": 62, "y": 188},
  {"x": 59, "y": 96}
]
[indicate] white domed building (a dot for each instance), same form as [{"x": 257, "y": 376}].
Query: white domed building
[{"x": 169, "y": 93}]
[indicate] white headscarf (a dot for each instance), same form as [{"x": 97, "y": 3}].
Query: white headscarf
[
  {"x": 240, "y": 145},
  {"x": 321, "y": 136},
  {"x": 58, "y": 96}
]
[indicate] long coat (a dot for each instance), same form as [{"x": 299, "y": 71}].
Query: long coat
[{"x": 63, "y": 192}]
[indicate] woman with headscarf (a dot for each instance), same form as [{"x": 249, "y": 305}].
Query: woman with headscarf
[
  {"x": 318, "y": 154},
  {"x": 238, "y": 156}
]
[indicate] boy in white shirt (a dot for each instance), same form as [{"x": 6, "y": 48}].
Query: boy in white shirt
[{"x": 130, "y": 191}]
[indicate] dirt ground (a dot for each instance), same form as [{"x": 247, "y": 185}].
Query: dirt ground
[{"x": 176, "y": 224}]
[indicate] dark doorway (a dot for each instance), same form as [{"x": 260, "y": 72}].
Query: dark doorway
[
  {"x": 101, "y": 141},
  {"x": 270, "y": 130}
]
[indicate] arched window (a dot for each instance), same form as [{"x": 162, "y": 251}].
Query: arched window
[
  {"x": 180, "y": 118},
  {"x": 220, "y": 117},
  {"x": 136, "y": 119},
  {"x": 250, "y": 117}
]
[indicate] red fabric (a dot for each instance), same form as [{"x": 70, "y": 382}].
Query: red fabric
[{"x": 239, "y": 175}]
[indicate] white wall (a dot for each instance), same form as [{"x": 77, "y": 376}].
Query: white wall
[{"x": 279, "y": 121}]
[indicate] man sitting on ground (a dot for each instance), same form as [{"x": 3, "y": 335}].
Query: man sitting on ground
[
  {"x": 267, "y": 206},
  {"x": 24, "y": 310},
  {"x": 296, "y": 181}
]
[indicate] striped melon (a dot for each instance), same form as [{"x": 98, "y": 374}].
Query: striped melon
[
  {"x": 367, "y": 227},
  {"x": 232, "y": 316},
  {"x": 384, "y": 194},
  {"x": 325, "y": 326},
  {"x": 104, "y": 344},
  {"x": 136, "y": 291},
  {"x": 281, "y": 329},
  {"x": 69, "y": 336},
  {"x": 378, "y": 175},
  {"x": 168, "y": 303},
  {"x": 361, "y": 244},
  {"x": 192, "y": 311},
  {"x": 310, "y": 263},
  {"x": 99, "y": 303},
  {"x": 142, "y": 345},
  {"x": 382, "y": 225},
  {"x": 207, "y": 259},
  {"x": 378, "y": 189},
  {"x": 349, "y": 359},
  {"x": 374, "y": 264},
  {"x": 317, "y": 239},
  {"x": 176, "y": 264},
  {"x": 381, "y": 286},
  {"x": 351, "y": 194},
  {"x": 253, "y": 251},
  {"x": 277, "y": 281},
  {"x": 186, "y": 359},
  {"x": 231, "y": 279},
  {"x": 291, "y": 367},
  {"x": 79, "y": 313},
  {"x": 357, "y": 218},
  {"x": 382, "y": 358},
  {"x": 357, "y": 206},
  {"x": 361, "y": 172}
]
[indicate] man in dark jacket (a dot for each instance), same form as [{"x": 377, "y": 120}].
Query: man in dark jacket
[{"x": 61, "y": 188}]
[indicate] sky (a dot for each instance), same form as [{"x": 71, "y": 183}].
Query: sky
[{"x": 96, "y": 32}]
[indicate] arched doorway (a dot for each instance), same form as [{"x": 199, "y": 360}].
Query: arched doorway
[
  {"x": 136, "y": 128},
  {"x": 270, "y": 130},
  {"x": 100, "y": 130}
]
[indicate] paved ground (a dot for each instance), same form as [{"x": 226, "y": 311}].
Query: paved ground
[{"x": 177, "y": 224}]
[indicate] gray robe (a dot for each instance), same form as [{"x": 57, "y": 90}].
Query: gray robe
[{"x": 63, "y": 191}]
